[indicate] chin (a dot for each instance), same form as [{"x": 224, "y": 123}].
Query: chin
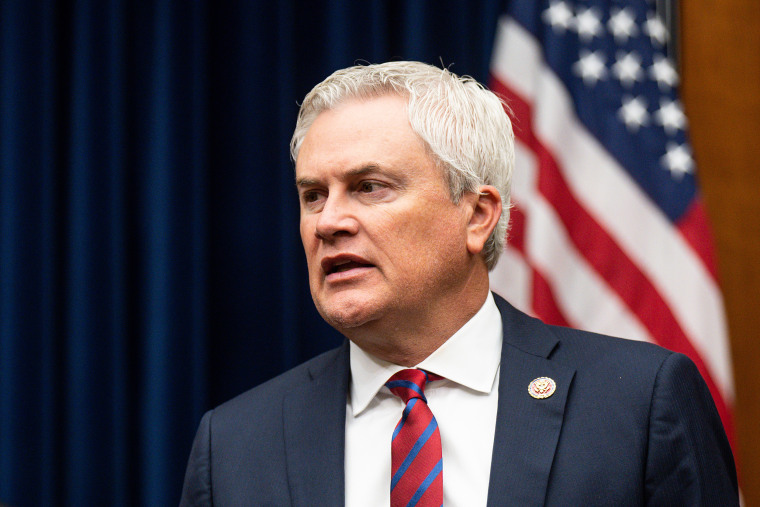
[
  {"x": 347, "y": 314},
  {"x": 345, "y": 318}
]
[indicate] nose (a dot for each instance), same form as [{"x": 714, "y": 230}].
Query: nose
[{"x": 336, "y": 219}]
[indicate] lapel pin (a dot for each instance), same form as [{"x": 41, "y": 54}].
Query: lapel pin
[{"x": 542, "y": 387}]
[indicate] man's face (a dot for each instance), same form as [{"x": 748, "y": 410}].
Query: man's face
[{"x": 384, "y": 242}]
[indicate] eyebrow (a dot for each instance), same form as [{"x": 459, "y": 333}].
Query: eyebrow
[{"x": 351, "y": 173}]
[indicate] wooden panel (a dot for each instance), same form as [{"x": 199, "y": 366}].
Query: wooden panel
[{"x": 720, "y": 63}]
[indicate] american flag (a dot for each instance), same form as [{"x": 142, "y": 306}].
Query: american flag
[{"x": 609, "y": 232}]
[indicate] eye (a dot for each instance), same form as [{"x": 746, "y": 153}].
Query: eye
[
  {"x": 309, "y": 196},
  {"x": 369, "y": 186},
  {"x": 312, "y": 199}
]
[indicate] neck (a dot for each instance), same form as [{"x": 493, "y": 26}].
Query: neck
[{"x": 408, "y": 341}]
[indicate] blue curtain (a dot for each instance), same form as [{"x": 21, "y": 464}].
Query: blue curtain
[{"x": 150, "y": 264}]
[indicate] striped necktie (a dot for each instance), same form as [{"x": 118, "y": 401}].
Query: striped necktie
[{"x": 416, "y": 461}]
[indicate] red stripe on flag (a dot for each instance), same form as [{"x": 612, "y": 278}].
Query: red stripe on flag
[
  {"x": 543, "y": 303},
  {"x": 603, "y": 253},
  {"x": 694, "y": 227},
  {"x": 516, "y": 236}
]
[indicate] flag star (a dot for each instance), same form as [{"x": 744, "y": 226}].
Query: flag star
[
  {"x": 670, "y": 116},
  {"x": 655, "y": 29},
  {"x": 627, "y": 68},
  {"x": 622, "y": 24},
  {"x": 678, "y": 160},
  {"x": 634, "y": 113},
  {"x": 590, "y": 67},
  {"x": 559, "y": 16},
  {"x": 588, "y": 24},
  {"x": 663, "y": 72}
]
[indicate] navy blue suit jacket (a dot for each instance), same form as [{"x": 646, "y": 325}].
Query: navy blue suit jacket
[{"x": 629, "y": 424}]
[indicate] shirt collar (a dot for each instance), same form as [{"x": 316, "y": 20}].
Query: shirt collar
[{"x": 470, "y": 358}]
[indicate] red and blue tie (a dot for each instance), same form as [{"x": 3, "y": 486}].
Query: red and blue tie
[{"x": 416, "y": 461}]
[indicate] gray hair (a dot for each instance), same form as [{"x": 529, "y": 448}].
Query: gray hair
[{"x": 463, "y": 125}]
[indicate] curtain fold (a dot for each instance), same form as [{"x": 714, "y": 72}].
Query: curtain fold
[{"x": 150, "y": 262}]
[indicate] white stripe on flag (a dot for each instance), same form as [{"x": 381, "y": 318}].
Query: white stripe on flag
[{"x": 511, "y": 279}]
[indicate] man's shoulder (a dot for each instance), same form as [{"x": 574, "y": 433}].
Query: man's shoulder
[
  {"x": 577, "y": 342},
  {"x": 622, "y": 370},
  {"x": 575, "y": 347},
  {"x": 600, "y": 357},
  {"x": 598, "y": 361}
]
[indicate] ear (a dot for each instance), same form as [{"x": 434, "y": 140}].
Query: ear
[{"x": 486, "y": 211}]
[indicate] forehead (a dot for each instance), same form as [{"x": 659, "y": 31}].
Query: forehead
[{"x": 362, "y": 132}]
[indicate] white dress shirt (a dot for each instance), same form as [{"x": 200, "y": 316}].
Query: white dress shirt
[{"x": 464, "y": 405}]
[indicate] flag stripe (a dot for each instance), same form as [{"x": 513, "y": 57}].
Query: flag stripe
[
  {"x": 542, "y": 295},
  {"x": 544, "y": 301},
  {"x": 512, "y": 279},
  {"x": 695, "y": 229}
]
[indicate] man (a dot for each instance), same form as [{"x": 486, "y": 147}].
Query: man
[{"x": 444, "y": 393}]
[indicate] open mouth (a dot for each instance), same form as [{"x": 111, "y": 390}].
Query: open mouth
[
  {"x": 347, "y": 266},
  {"x": 341, "y": 264}
]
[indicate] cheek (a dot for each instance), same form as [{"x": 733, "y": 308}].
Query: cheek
[
  {"x": 437, "y": 222},
  {"x": 430, "y": 239},
  {"x": 306, "y": 230}
]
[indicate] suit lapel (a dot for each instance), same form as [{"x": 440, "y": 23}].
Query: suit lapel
[
  {"x": 314, "y": 416},
  {"x": 527, "y": 429}
]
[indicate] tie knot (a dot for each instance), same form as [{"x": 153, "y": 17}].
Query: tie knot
[{"x": 408, "y": 384}]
